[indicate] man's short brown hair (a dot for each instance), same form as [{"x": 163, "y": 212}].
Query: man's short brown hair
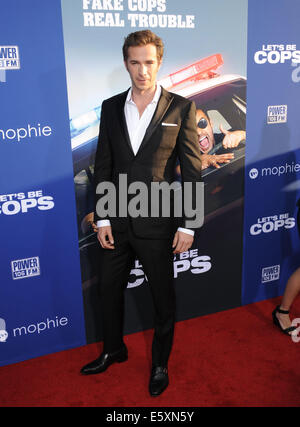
[{"x": 142, "y": 38}]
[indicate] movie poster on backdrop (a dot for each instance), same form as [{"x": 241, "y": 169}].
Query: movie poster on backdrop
[
  {"x": 272, "y": 187},
  {"x": 204, "y": 61}
]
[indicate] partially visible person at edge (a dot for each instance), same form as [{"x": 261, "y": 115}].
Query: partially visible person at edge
[{"x": 281, "y": 317}]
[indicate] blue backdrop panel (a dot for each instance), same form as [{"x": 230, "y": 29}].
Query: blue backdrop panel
[
  {"x": 40, "y": 292},
  {"x": 271, "y": 245}
]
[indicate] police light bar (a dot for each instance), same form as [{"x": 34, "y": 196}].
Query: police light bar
[
  {"x": 85, "y": 120},
  {"x": 203, "y": 69}
]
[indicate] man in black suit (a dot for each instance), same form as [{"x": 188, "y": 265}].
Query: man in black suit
[{"x": 142, "y": 132}]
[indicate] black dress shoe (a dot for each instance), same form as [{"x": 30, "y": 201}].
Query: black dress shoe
[
  {"x": 104, "y": 361},
  {"x": 159, "y": 380}
]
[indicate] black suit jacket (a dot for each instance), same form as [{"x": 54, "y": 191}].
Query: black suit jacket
[{"x": 154, "y": 161}]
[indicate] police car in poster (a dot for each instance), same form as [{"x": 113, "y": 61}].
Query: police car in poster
[{"x": 210, "y": 70}]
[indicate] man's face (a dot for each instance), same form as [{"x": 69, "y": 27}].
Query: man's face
[
  {"x": 142, "y": 65},
  {"x": 206, "y": 137}
]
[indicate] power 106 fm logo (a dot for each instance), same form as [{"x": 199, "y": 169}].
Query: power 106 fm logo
[
  {"x": 277, "y": 114},
  {"x": 24, "y": 202},
  {"x": 272, "y": 223},
  {"x": 9, "y": 60},
  {"x": 270, "y": 274},
  {"x": 27, "y": 267}
]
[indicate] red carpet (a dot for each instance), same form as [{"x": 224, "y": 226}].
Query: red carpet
[{"x": 233, "y": 358}]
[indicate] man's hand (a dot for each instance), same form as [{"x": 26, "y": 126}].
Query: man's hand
[
  {"x": 88, "y": 222},
  {"x": 95, "y": 228},
  {"x": 182, "y": 242},
  {"x": 232, "y": 139},
  {"x": 105, "y": 237},
  {"x": 208, "y": 160}
]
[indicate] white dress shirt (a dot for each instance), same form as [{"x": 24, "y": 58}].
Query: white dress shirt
[{"x": 137, "y": 127}]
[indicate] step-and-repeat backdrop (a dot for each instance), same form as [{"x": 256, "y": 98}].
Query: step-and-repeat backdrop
[
  {"x": 41, "y": 307},
  {"x": 272, "y": 185},
  {"x": 58, "y": 61}
]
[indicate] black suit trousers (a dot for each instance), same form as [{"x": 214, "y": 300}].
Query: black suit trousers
[{"x": 156, "y": 256}]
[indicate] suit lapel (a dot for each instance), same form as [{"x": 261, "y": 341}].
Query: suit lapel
[
  {"x": 162, "y": 107},
  {"x": 121, "y": 103}
]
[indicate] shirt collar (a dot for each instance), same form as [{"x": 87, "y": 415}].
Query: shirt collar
[{"x": 154, "y": 100}]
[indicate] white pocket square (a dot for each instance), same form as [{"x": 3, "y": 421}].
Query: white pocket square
[{"x": 168, "y": 124}]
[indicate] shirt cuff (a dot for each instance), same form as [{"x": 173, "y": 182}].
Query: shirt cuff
[
  {"x": 106, "y": 222},
  {"x": 186, "y": 230},
  {"x": 103, "y": 223}
]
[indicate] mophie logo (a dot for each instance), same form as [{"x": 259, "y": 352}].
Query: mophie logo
[
  {"x": 9, "y": 60},
  {"x": 3, "y": 331}
]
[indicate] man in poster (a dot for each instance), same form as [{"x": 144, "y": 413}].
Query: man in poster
[{"x": 142, "y": 132}]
